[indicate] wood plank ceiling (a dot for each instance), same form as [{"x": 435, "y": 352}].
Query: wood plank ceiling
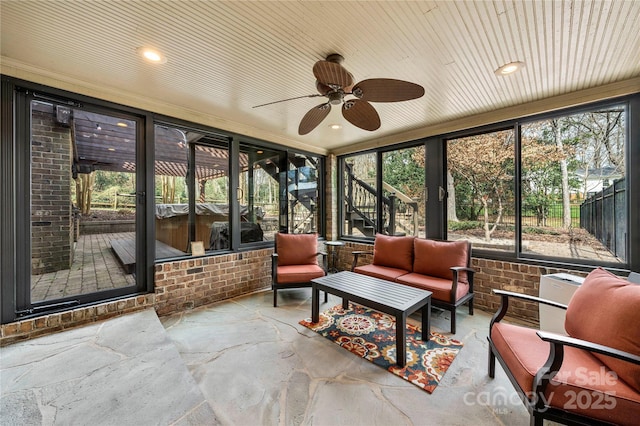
[{"x": 225, "y": 57}]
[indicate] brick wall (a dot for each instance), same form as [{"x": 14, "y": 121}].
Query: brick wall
[
  {"x": 52, "y": 323},
  {"x": 490, "y": 274},
  {"x": 51, "y": 218},
  {"x": 187, "y": 284},
  {"x": 180, "y": 286},
  {"x": 516, "y": 277}
]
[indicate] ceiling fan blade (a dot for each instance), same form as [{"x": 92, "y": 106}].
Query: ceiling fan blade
[
  {"x": 387, "y": 90},
  {"x": 314, "y": 117},
  {"x": 361, "y": 114},
  {"x": 332, "y": 74},
  {"x": 290, "y": 99}
]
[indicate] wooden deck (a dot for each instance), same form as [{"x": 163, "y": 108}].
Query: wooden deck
[{"x": 125, "y": 251}]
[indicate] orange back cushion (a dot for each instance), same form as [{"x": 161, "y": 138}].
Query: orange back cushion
[
  {"x": 393, "y": 252},
  {"x": 297, "y": 249},
  {"x": 605, "y": 309},
  {"x": 435, "y": 258}
]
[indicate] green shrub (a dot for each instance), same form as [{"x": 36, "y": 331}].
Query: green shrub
[
  {"x": 539, "y": 231},
  {"x": 464, "y": 225}
]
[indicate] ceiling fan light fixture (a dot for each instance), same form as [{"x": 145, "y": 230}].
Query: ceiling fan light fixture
[
  {"x": 335, "y": 127},
  {"x": 509, "y": 68}
]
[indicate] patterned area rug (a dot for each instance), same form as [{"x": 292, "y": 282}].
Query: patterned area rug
[{"x": 372, "y": 336}]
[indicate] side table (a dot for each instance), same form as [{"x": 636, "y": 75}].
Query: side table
[{"x": 332, "y": 251}]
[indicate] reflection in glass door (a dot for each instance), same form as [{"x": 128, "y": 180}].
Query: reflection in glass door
[
  {"x": 191, "y": 215},
  {"x": 83, "y": 202},
  {"x": 302, "y": 190},
  {"x": 258, "y": 193}
]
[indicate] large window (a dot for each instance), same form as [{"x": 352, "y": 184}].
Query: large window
[
  {"x": 384, "y": 193},
  {"x": 82, "y": 197},
  {"x": 199, "y": 204},
  {"x": 568, "y": 201},
  {"x": 480, "y": 196},
  {"x": 403, "y": 191},
  {"x": 555, "y": 188},
  {"x": 574, "y": 187},
  {"x": 258, "y": 193},
  {"x": 360, "y": 203},
  {"x": 191, "y": 192},
  {"x": 303, "y": 189}
]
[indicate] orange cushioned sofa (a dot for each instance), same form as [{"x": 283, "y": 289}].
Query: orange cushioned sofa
[
  {"x": 591, "y": 376},
  {"x": 441, "y": 267}
]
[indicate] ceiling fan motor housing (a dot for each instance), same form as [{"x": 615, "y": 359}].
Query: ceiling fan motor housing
[{"x": 335, "y": 98}]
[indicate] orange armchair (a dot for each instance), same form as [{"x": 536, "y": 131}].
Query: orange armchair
[
  {"x": 591, "y": 376},
  {"x": 294, "y": 262}
]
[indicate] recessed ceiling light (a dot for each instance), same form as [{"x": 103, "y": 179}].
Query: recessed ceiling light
[
  {"x": 335, "y": 126},
  {"x": 151, "y": 55},
  {"x": 509, "y": 68},
  {"x": 111, "y": 149},
  {"x": 122, "y": 124}
]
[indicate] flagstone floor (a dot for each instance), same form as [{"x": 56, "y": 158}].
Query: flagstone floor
[{"x": 240, "y": 362}]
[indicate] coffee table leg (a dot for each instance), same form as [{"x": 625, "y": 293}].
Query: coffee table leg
[
  {"x": 315, "y": 303},
  {"x": 401, "y": 339},
  {"x": 426, "y": 321},
  {"x": 345, "y": 303}
]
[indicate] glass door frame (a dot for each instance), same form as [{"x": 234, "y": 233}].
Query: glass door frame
[{"x": 16, "y": 198}]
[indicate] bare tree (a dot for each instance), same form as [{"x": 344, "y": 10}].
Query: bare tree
[{"x": 485, "y": 162}]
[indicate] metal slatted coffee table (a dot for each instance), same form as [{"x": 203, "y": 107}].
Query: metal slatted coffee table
[{"x": 394, "y": 299}]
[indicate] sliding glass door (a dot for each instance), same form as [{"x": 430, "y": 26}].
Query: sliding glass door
[{"x": 79, "y": 195}]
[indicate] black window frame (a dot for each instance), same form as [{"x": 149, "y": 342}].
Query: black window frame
[
  {"x": 435, "y": 171},
  {"x": 15, "y": 196},
  {"x": 13, "y": 229}
]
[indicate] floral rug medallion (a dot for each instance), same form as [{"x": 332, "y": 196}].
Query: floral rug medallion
[{"x": 372, "y": 335}]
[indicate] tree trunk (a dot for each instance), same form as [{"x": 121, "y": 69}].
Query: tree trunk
[
  {"x": 84, "y": 188},
  {"x": 201, "y": 188},
  {"x": 451, "y": 199},
  {"x": 487, "y": 232},
  {"x": 168, "y": 189},
  {"x": 566, "y": 201}
]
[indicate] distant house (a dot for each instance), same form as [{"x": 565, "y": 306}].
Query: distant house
[{"x": 596, "y": 179}]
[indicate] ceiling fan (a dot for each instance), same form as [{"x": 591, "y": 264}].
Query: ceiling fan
[{"x": 334, "y": 82}]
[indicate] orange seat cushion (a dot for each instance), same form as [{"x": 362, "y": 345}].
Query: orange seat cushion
[
  {"x": 440, "y": 287},
  {"x": 297, "y": 249},
  {"x": 295, "y": 274},
  {"x": 393, "y": 252},
  {"x": 605, "y": 309},
  {"x": 583, "y": 384},
  {"x": 382, "y": 272},
  {"x": 436, "y": 258}
]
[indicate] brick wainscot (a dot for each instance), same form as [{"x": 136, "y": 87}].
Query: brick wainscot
[
  {"x": 179, "y": 286},
  {"x": 189, "y": 283}
]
